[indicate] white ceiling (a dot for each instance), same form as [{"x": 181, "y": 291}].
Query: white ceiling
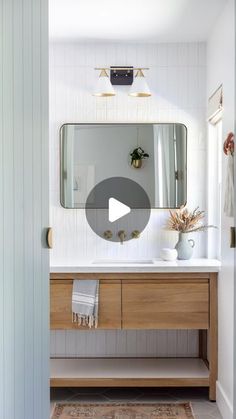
[{"x": 133, "y": 20}]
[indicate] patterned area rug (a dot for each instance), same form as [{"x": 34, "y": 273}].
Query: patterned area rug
[{"x": 123, "y": 411}]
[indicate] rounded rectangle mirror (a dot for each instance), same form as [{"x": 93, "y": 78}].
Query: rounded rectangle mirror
[{"x": 153, "y": 155}]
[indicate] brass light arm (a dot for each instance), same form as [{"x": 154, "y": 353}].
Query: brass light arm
[{"x": 121, "y": 68}]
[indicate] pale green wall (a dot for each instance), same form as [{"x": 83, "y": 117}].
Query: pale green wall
[{"x": 23, "y": 210}]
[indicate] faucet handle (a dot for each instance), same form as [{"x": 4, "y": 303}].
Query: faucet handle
[
  {"x": 108, "y": 234},
  {"x": 135, "y": 234}
]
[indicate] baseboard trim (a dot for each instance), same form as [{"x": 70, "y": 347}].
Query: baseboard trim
[{"x": 223, "y": 403}]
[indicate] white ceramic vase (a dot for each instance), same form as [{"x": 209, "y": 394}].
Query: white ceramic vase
[{"x": 185, "y": 246}]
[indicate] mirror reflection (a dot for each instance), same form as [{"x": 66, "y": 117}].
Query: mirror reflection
[{"x": 153, "y": 155}]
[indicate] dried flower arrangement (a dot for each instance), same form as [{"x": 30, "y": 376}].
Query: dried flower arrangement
[{"x": 186, "y": 221}]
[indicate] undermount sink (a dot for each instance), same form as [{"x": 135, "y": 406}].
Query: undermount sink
[{"x": 123, "y": 262}]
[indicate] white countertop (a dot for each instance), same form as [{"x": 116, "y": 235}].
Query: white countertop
[{"x": 158, "y": 265}]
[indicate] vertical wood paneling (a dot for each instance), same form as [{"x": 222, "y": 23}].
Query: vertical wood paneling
[
  {"x": 123, "y": 343},
  {"x": 2, "y": 403},
  {"x": 37, "y": 198},
  {"x": 177, "y": 78},
  {"x": 24, "y": 390},
  {"x": 8, "y": 208},
  {"x": 19, "y": 301},
  {"x": 44, "y": 95},
  {"x": 28, "y": 199}
]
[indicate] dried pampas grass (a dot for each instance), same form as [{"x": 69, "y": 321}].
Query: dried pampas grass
[{"x": 186, "y": 221}]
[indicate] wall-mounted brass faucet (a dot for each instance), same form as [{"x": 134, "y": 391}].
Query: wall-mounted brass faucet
[{"x": 122, "y": 235}]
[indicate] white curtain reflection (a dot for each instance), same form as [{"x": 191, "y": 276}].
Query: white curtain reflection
[
  {"x": 170, "y": 158},
  {"x": 164, "y": 154}
]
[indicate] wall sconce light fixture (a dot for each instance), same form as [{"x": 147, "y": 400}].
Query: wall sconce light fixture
[
  {"x": 104, "y": 87},
  {"x": 139, "y": 88},
  {"x": 122, "y": 76}
]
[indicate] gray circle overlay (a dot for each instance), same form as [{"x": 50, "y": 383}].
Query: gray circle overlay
[{"x": 129, "y": 193}]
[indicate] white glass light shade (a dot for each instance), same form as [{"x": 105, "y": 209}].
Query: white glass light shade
[
  {"x": 104, "y": 87},
  {"x": 139, "y": 87}
]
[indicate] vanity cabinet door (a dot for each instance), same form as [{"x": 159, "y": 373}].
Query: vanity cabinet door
[
  {"x": 165, "y": 305},
  {"x": 109, "y": 305}
]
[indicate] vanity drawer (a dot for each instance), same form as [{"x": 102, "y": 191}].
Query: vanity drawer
[
  {"x": 109, "y": 305},
  {"x": 161, "y": 305}
]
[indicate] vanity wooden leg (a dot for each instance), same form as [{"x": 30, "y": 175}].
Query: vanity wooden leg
[
  {"x": 203, "y": 344},
  {"x": 213, "y": 337}
]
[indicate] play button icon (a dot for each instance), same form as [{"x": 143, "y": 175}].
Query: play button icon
[
  {"x": 115, "y": 204},
  {"x": 117, "y": 210}
]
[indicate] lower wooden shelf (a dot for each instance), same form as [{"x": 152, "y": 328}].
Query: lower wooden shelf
[{"x": 129, "y": 372}]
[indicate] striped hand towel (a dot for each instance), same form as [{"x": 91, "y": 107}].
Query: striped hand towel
[{"x": 85, "y": 302}]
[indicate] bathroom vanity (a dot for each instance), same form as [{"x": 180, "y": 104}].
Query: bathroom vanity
[{"x": 157, "y": 295}]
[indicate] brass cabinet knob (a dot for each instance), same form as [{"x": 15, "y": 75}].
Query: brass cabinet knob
[
  {"x": 135, "y": 234},
  {"x": 108, "y": 234}
]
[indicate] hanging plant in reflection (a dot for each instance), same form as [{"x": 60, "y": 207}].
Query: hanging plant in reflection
[{"x": 137, "y": 156}]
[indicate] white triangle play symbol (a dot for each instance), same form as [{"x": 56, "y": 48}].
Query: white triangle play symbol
[{"x": 117, "y": 209}]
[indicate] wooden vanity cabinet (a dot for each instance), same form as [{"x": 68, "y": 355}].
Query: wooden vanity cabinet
[
  {"x": 142, "y": 301},
  {"x": 165, "y": 304},
  {"x": 109, "y": 305}
]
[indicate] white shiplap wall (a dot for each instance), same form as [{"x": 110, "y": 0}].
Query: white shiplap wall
[
  {"x": 124, "y": 343},
  {"x": 24, "y": 263},
  {"x": 177, "y": 78}
]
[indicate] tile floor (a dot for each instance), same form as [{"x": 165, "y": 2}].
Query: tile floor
[{"x": 202, "y": 408}]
